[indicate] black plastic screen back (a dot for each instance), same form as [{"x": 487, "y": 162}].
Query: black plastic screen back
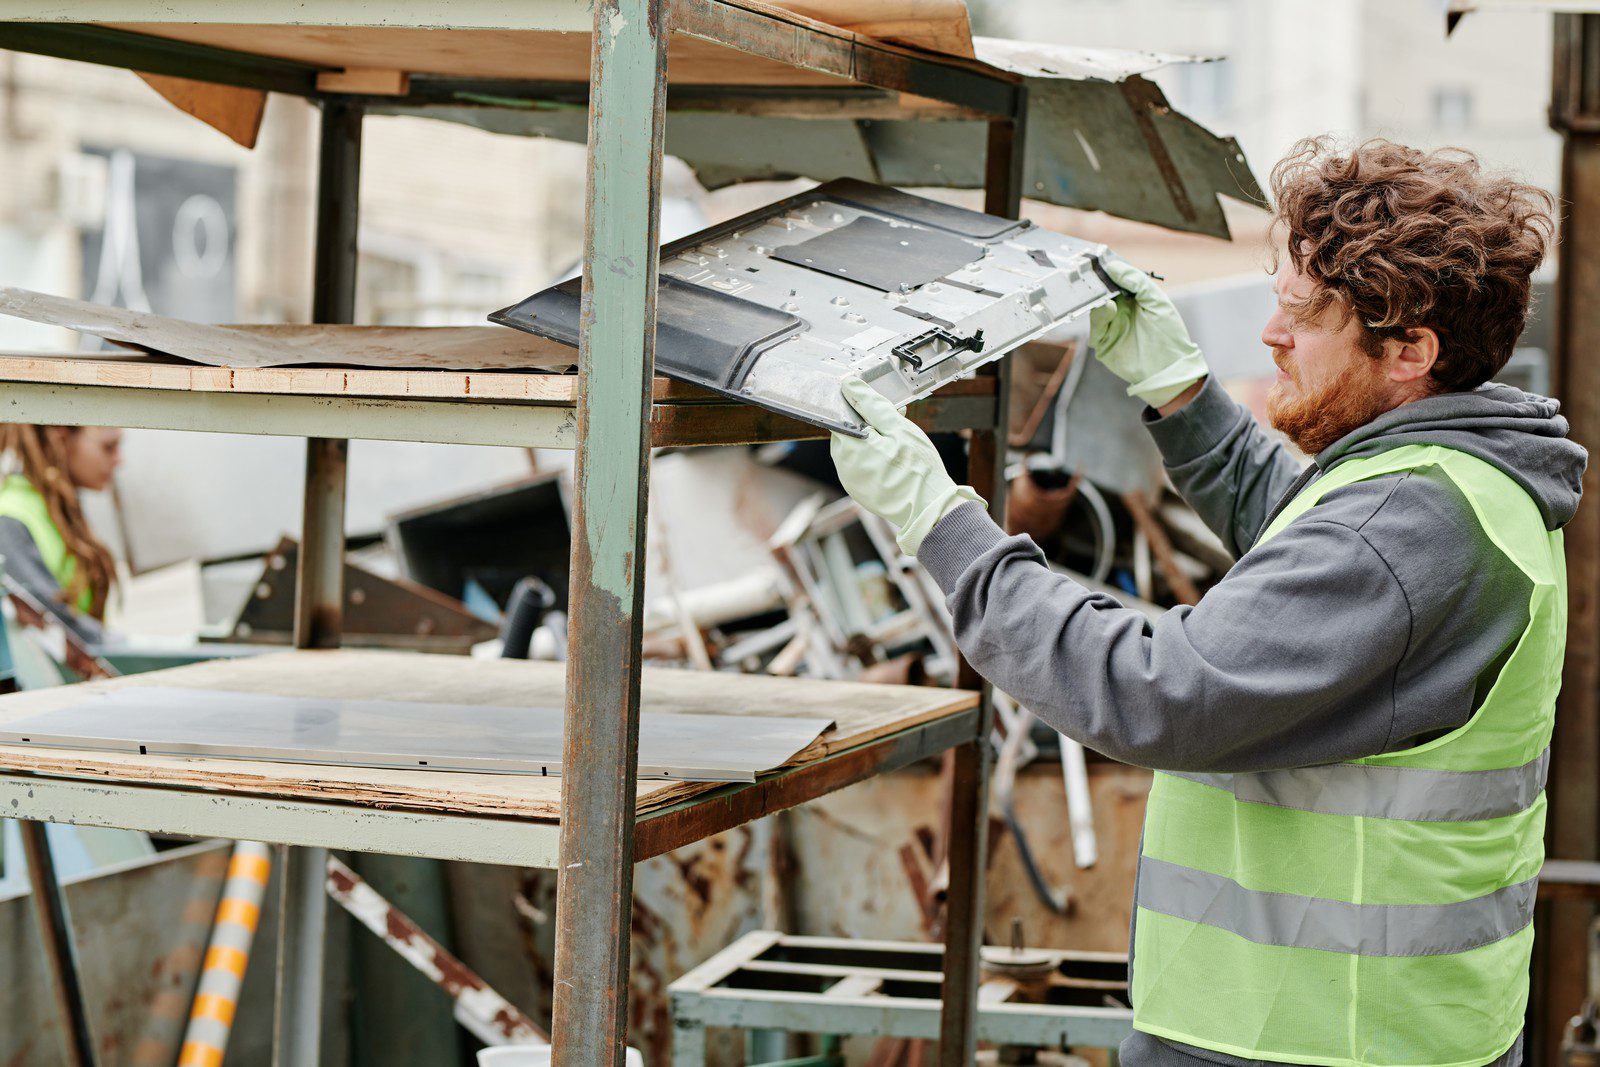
[
  {"x": 889, "y": 258},
  {"x": 702, "y": 336}
]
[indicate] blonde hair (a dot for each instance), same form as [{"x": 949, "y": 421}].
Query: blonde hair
[{"x": 43, "y": 461}]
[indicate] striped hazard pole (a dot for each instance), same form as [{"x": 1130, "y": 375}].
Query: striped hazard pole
[{"x": 222, "y": 973}]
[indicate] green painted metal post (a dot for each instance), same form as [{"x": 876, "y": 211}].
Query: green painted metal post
[
  {"x": 615, "y": 367},
  {"x": 319, "y": 585},
  {"x": 969, "y": 786}
]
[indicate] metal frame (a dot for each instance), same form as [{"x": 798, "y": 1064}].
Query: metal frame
[
  {"x": 600, "y": 837},
  {"x": 701, "y": 1000}
]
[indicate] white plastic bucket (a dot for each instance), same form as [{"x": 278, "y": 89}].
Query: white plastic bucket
[{"x": 533, "y": 1056}]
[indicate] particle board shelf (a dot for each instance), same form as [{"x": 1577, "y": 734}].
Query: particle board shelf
[
  {"x": 521, "y": 408},
  {"x": 925, "y": 59},
  {"x": 877, "y": 728}
]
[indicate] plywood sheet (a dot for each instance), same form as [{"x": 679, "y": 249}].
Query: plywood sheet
[
  {"x": 861, "y": 713},
  {"x": 140, "y": 371},
  {"x": 932, "y": 25},
  {"x": 234, "y": 111},
  {"x": 473, "y": 53},
  {"x": 419, "y": 347}
]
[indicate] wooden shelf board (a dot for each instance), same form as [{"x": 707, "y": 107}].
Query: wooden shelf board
[
  {"x": 135, "y": 371},
  {"x": 864, "y": 715}
]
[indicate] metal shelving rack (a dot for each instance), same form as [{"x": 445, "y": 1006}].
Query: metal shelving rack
[{"x": 617, "y": 411}]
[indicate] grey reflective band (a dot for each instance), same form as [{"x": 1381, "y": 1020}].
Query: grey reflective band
[
  {"x": 1293, "y": 921},
  {"x": 1381, "y": 791}
]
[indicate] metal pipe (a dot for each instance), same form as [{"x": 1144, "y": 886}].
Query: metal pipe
[
  {"x": 55, "y": 935},
  {"x": 616, "y": 364},
  {"x": 969, "y": 777},
  {"x": 485, "y": 1013},
  {"x": 1080, "y": 808},
  {"x": 319, "y": 593}
]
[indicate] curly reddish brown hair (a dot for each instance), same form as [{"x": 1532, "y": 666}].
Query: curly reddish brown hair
[{"x": 1404, "y": 239}]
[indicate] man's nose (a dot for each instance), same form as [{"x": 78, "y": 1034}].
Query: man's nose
[{"x": 1276, "y": 334}]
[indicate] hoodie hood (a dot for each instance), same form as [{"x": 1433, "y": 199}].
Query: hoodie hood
[{"x": 1521, "y": 433}]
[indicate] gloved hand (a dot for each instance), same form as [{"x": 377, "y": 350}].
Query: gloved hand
[
  {"x": 895, "y": 471},
  {"x": 1141, "y": 338}
]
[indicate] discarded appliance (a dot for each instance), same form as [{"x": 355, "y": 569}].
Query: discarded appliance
[
  {"x": 492, "y": 538},
  {"x": 379, "y": 612},
  {"x": 776, "y": 307},
  {"x": 858, "y": 599}
]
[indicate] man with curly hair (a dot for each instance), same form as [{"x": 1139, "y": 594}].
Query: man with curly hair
[{"x": 1351, "y": 728}]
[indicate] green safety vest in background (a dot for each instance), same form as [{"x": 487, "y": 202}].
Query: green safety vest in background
[
  {"x": 21, "y": 501},
  {"x": 1376, "y": 912}
]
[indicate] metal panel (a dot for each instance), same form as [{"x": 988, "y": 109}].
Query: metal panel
[
  {"x": 615, "y": 369},
  {"x": 143, "y": 928},
  {"x": 171, "y": 721},
  {"x": 908, "y": 293}
]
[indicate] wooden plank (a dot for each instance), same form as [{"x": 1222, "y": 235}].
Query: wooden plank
[
  {"x": 862, "y": 714},
  {"x": 364, "y": 80},
  {"x": 232, "y": 110},
  {"x": 805, "y": 44},
  {"x": 472, "y": 52},
  {"x": 556, "y": 15},
  {"x": 932, "y": 25},
  {"x": 148, "y": 372},
  {"x": 695, "y": 819}
]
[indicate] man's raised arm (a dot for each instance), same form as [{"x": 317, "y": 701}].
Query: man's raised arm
[{"x": 1219, "y": 458}]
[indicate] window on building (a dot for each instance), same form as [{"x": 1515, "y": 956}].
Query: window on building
[
  {"x": 1452, "y": 107},
  {"x": 1204, "y": 91}
]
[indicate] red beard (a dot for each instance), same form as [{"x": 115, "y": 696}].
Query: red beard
[{"x": 1314, "y": 421}]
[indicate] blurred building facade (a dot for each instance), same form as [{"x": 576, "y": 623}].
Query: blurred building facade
[
  {"x": 112, "y": 194},
  {"x": 1352, "y": 68}
]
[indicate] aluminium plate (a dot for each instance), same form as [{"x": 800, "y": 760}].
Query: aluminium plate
[
  {"x": 174, "y": 721},
  {"x": 778, "y": 306}
]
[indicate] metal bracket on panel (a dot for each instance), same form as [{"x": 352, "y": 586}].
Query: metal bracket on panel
[{"x": 915, "y": 352}]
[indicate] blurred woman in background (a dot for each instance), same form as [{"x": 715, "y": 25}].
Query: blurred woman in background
[{"x": 48, "y": 547}]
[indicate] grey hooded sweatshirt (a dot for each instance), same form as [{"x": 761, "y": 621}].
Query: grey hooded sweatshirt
[{"x": 1374, "y": 621}]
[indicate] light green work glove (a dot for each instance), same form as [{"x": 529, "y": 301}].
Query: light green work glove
[
  {"x": 895, "y": 471},
  {"x": 1141, "y": 338}
]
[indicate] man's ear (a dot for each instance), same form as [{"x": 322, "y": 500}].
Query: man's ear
[{"x": 1412, "y": 357}]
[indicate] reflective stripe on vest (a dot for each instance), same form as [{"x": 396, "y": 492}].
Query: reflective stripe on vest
[
  {"x": 1334, "y": 925},
  {"x": 1373, "y": 791},
  {"x": 1374, "y": 913}
]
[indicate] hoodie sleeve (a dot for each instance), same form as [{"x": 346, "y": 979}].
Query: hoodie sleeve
[
  {"x": 1221, "y": 461},
  {"x": 22, "y": 563},
  {"x": 1289, "y": 661}
]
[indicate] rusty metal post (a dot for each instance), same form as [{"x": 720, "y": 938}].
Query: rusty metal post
[
  {"x": 55, "y": 935},
  {"x": 319, "y": 592},
  {"x": 616, "y": 361},
  {"x": 969, "y": 784},
  {"x": 1573, "y": 827}
]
